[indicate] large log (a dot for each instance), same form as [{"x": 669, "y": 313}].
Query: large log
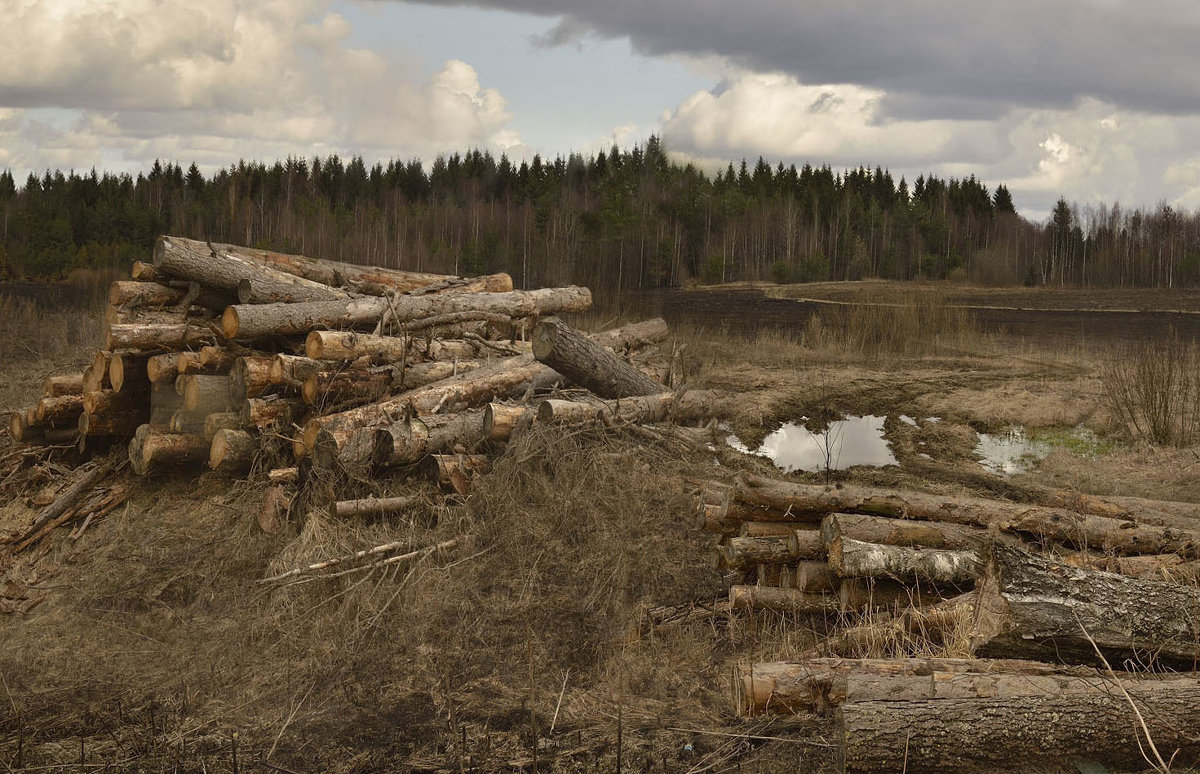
[
  {"x": 583, "y": 361},
  {"x": 260, "y": 412},
  {"x": 113, "y": 423},
  {"x": 290, "y": 371},
  {"x": 407, "y": 441},
  {"x": 141, "y": 294},
  {"x": 62, "y": 411},
  {"x": 902, "y": 532},
  {"x": 1046, "y": 731},
  {"x": 159, "y": 336},
  {"x": 232, "y": 451},
  {"x": 220, "y": 268},
  {"x": 111, "y": 401},
  {"x": 852, "y": 558},
  {"x": 351, "y": 345},
  {"x": 743, "y": 553},
  {"x": 153, "y": 449},
  {"x": 143, "y": 272},
  {"x": 1082, "y": 530},
  {"x": 164, "y": 367},
  {"x": 1032, "y": 607},
  {"x": 164, "y": 402},
  {"x": 500, "y": 420},
  {"x": 65, "y": 384},
  {"x": 252, "y": 321},
  {"x": 410, "y": 376},
  {"x": 633, "y": 335}
]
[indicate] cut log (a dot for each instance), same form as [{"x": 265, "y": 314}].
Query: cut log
[
  {"x": 253, "y": 321},
  {"x": 141, "y": 294},
  {"x": 1046, "y": 731},
  {"x": 260, "y": 412},
  {"x": 129, "y": 371},
  {"x": 860, "y": 594},
  {"x": 62, "y": 411},
  {"x": 143, "y": 272},
  {"x": 776, "y": 529},
  {"x": 1032, "y": 607},
  {"x": 413, "y": 375},
  {"x": 806, "y": 543},
  {"x": 752, "y": 598},
  {"x": 744, "y": 553},
  {"x": 852, "y": 558},
  {"x": 111, "y": 401},
  {"x": 349, "y": 345},
  {"x": 332, "y": 388},
  {"x": 232, "y": 451},
  {"x": 814, "y": 576},
  {"x": 407, "y": 441},
  {"x": 290, "y": 371},
  {"x": 633, "y": 335},
  {"x": 205, "y": 393},
  {"x": 221, "y": 420},
  {"x": 373, "y": 506},
  {"x": 499, "y": 420},
  {"x": 159, "y": 336},
  {"x": 220, "y": 268},
  {"x": 660, "y": 407},
  {"x": 587, "y": 363},
  {"x": 213, "y": 360},
  {"x": 164, "y": 367},
  {"x": 250, "y": 377},
  {"x": 114, "y": 423},
  {"x": 120, "y": 315},
  {"x": 1081, "y": 530},
  {"x": 902, "y": 532},
  {"x": 456, "y": 470},
  {"x": 153, "y": 449},
  {"x": 95, "y": 376},
  {"x": 65, "y": 384},
  {"x": 284, "y": 476}
]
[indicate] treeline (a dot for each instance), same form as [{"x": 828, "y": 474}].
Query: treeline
[{"x": 625, "y": 219}]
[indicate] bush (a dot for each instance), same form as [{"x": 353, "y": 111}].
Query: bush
[
  {"x": 1153, "y": 393},
  {"x": 780, "y": 272}
]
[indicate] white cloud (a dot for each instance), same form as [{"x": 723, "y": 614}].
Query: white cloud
[{"x": 120, "y": 82}]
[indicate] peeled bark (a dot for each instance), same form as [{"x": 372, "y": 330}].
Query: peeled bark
[
  {"x": 587, "y": 363},
  {"x": 205, "y": 393},
  {"x": 252, "y": 321},
  {"x": 633, "y": 335},
  {"x": 456, "y": 470},
  {"x": 499, "y": 420},
  {"x": 232, "y": 451},
  {"x": 1121, "y": 537},
  {"x": 852, "y": 558},
  {"x": 250, "y": 377},
  {"x": 373, "y": 506},
  {"x": 152, "y": 336},
  {"x": 152, "y": 450},
  {"x": 222, "y": 420},
  {"x": 128, "y": 371},
  {"x": 1032, "y": 607},
  {"x": 227, "y": 269},
  {"x": 260, "y": 412},
  {"x": 133, "y": 295},
  {"x": 62, "y": 411}
]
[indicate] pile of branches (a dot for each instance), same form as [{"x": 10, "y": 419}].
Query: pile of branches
[{"x": 1063, "y": 631}]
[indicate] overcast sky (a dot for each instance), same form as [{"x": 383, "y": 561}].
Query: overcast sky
[{"x": 1098, "y": 100}]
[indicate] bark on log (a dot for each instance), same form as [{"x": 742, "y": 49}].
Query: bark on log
[
  {"x": 62, "y": 411},
  {"x": 152, "y": 449},
  {"x": 744, "y": 553},
  {"x": 852, "y": 558},
  {"x": 766, "y": 528},
  {"x": 902, "y": 532},
  {"x": 859, "y": 594},
  {"x": 659, "y": 407},
  {"x": 205, "y": 393},
  {"x": 1047, "y": 732},
  {"x": 350, "y": 345},
  {"x": 114, "y": 423},
  {"x": 499, "y": 420},
  {"x": 159, "y": 336},
  {"x": 813, "y": 576},
  {"x": 189, "y": 422},
  {"x": 752, "y": 598},
  {"x": 260, "y": 412},
  {"x": 587, "y": 363},
  {"x": 164, "y": 401},
  {"x": 232, "y": 451},
  {"x": 133, "y": 295},
  {"x": 250, "y": 377},
  {"x": 456, "y": 470},
  {"x": 221, "y": 420},
  {"x": 164, "y": 367},
  {"x": 64, "y": 384},
  {"x": 25, "y": 431},
  {"x": 1032, "y": 607},
  {"x": 372, "y": 506},
  {"x": 633, "y": 335},
  {"x": 284, "y": 476},
  {"x": 1081, "y": 530},
  {"x": 213, "y": 360},
  {"x": 252, "y": 321},
  {"x": 111, "y": 401},
  {"x": 333, "y": 388},
  {"x": 129, "y": 371},
  {"x": 228, "y": 270},
  {"x": 407, "y": 441},
  {"x": 143, "y": 272},
  {"x": 806, "y": 544},
  {"x": 413, "y": 375},
  {"x": 290, "y": 371}
]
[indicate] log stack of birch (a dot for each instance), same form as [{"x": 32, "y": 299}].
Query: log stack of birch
[
  {"x": 968, "y": 634},
  {"x": 231, "y": 356}
]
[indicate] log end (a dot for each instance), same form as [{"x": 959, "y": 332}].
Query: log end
[
  {"x": 244, "y": 291},
  {"x": 544, "y": 335},
  {"x": 313, "y": 346},
  {"x": 229, "y": 322},
  {"x": 498, "y": 283}
]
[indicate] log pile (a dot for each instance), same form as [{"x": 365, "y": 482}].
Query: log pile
[{"x": 1035, "y": 607}]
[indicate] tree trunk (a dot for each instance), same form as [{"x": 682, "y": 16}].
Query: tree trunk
[
  {"x": 222, "y": 420},
  {"x": 500, "y": 419},
  {"x": 152, "y": 336},
  {"x": 204, "y": 393},
  {"x": 350, "y": 345},
  {"x": 852, "y": 558},
  {"x": 587, "y": 363},
  {"x": 134, "y": 295},
  {"x": 253, "y": 321},
  {"x": 373, "y": 506},
  {"x": 224, "y": 269},
  {"x": 152, "y": 450},
  {"x": 232, "y": 451},
  {"x": 66, "y": 384},
  {"x": 250, "y": 377}
]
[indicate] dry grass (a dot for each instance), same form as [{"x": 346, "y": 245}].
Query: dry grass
[{"x": 1152, "y": 392}]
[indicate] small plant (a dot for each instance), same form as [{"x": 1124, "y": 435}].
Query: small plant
[{"x": 1153, "y": 393}]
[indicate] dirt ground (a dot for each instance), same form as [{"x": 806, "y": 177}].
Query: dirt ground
[{"x": 544, "y": 640}]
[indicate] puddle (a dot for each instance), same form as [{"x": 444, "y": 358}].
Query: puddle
[
  {"x": 846, "y": 443},
  {"x": 1016, "y": 451}
]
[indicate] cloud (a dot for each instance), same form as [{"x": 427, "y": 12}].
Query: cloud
[
  {"x": 120, "y": 82},
  {"x": 1136, "y": 55}
]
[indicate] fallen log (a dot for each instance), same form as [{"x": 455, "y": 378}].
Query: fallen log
[
  {"x": 633, "y": 335},
  {"x": 1080, "y": 530},
  {"x": 744, "y": 553},
  {"x": 456, "y": 470},
  {"x": 164, "y": 402},
  {"x": 250, "y": 377},
  {"x": 232, "y": 451},
  {"x": 69, "y": 497},
  {"x": 752, "y": 598},
  {"x": 113, "y": 402},
  {"x": 372, "y": 506},
  {"x": 134, "y": 295},
  {"x": 252, "y": 321},
  {"x": 153, "y": 449},
  {"x": 1031, "y": 607},
  {"x": 65, "y": 384},
  {"x": 189, "y": 422},
  {"x": 213, "y": 360},
  {"x": 417, "y": 554},
  {"x": 290, "y": 371},
  {"x": 350, "y": 345},
  {"x": 24, "y": 431},
  {"x": 410, "y": 376},
  {"x": 331, "y": 388},
  {"x": 500, "y": 420},
  {"x": 228, "y": 270},
  {"x": 659, "y": 407},
  {"x": 62, "y": 411},
  {"x": 158, "y": 336},
  {"x": 814, "y": 576},
  {"x": 260, "y": 412},
  {"x": 854, "y": 558},
  {"x": 587, "y": 363},
  {"x": 766, "y": 528},
  {"x": 407, "y": 441}
]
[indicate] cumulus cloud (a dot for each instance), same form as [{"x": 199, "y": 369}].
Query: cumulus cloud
[{"x": 119, "y": 82}]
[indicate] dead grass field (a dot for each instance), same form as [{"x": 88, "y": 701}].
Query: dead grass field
[{"x": 149, "y": 645}]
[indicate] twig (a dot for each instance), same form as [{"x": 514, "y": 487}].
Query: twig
[
  {"x": 754, "y": 737},
  {"x": 381, "y": 549}
]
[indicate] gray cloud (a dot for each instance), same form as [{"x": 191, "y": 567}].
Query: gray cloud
[{"x": 1137, "y": 55}]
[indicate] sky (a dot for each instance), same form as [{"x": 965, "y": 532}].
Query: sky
[{"x": 1095, "y": 100}]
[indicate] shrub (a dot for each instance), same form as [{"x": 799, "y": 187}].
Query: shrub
[
  {"x": 780, "y": 272},
  {"x": 1153, "y": 392}
]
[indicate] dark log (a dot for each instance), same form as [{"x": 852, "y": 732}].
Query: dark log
[
  {"x": 587, "y": 363},
  {"x": 333, "y": 388},
  {"x": 129, "y": 371},
  {"x": 204, "y": 393},
  {"x": 95, "y": 376},
  {"x": 221, "y": 420},
  {"x": 62, "y": 411}
]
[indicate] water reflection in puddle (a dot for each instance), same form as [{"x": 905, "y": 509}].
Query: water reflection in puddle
[
  {"x": 1010, "y": 452},
  {"x": 846, "y": 443}
]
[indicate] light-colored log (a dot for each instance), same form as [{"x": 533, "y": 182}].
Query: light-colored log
[
  {"x": 214, "y": 360},
  {"x": 660, "y": 407},
  {"x": 290, "y": 371},
  {"x": 350, "y": 345},
  {"x": 587, "y": 363},
  {"x": 143, "y": 272},
  {"x": 141, "y": 294},
  {"x": 751, "y": 598},
  {"x": 95, "y": 376},
  {"x": 373, "y": 506},
  {"x": 815, "y": 576},
  {"x": 411, "y": 439},
  {"x": 232, "y": 451},
  {"x": 260, "y": 412},
  {"x": 852, "y": 558},
  {"x": 164, "y": 367},
  {"x": 499, "y": 420},
  {"x": 284, "y": 476},
  {"x": 221, "y": 420},
  {"x": 62, "y": 411},
  {"x": 158, "y": 336},
  {"x": 152, "y": 450},
  {"x": 250, "y": 377},
  {"x": 633, "y": 335}
]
